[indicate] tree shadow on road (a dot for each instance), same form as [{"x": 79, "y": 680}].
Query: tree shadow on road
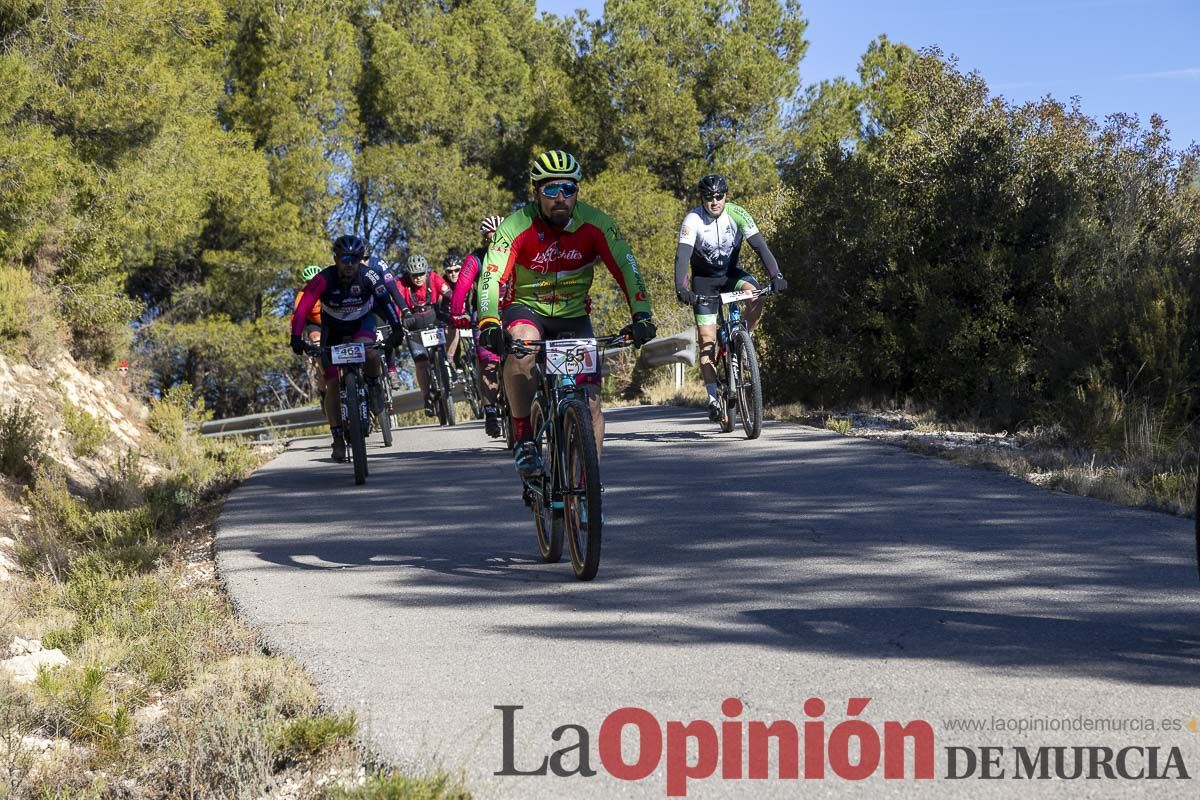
[{"x": 804, "y": 541}]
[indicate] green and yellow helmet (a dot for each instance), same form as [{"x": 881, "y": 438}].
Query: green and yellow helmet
[
  {"x": 554, "y": 164},
  {"x": 310, "y": 272}
]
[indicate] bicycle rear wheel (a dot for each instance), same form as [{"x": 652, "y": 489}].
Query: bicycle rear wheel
[
  {"x": 547, "y": 520},
  {"x": 471, "y": 377},
  {"x": 510, "y": 439},
  {"x": 582, "y": 514},
  {"x": 746, "y": 384},
  {"x": 355, "y": 430}
]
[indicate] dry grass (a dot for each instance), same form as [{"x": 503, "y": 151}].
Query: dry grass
[
  {"x": 1151, "y": 470},
  {"x": 167, "y": 693}
]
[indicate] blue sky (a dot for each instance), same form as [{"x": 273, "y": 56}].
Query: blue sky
[{"x": 1138, "y": 56}]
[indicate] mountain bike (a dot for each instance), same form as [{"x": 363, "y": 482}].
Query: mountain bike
[
  {"x": 565, "y": 498},
  {"x": 354, "y": 406},
  {"x": 470, "y": 370},
  {"x": 441, "y": 390},
  {"x": 383, "y": 335},
  {"x": 738, "y": 382}
]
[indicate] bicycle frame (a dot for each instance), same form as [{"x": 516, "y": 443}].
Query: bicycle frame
[{"x": 559, "y": 390}]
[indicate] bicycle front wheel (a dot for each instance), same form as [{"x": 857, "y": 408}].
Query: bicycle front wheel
[
  {"x": 582, "y": 517},
  {"x": 445, "y": 403},
  {"x": 746, "y": 384},
  {"x": 355, "y": 429},
  {"x": 724, "y": 388},
  {"x": 547, "y": 520}
]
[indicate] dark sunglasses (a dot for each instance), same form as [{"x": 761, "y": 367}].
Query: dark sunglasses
[
  {"x": 565, "y": 189},
  {"x": 711, "y": 197},
  {"x": 348, "y": 259}
]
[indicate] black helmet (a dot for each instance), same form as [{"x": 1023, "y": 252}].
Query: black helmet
[
  {"x": 452, "y": 260},
  {"x": 349, "y": 246},
  {"x": 713, "y": 184}
]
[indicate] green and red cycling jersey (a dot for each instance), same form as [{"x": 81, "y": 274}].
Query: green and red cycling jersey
[{"x": 550, "y": 270}]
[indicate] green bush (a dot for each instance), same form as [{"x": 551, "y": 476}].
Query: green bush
[
  {"x": 87, "y": 432},
  {"x": 21, "y": 442},
  {"x": 149, "y": 629},
  {"x": 121, "y": 487},
  {"x": 390, "y": 786},
  {"x": 305, "y": 737},
  {"x": 61, "y": 527},
  {"x": 75, "y": 702},
  {"x": 838, "y": 425}
]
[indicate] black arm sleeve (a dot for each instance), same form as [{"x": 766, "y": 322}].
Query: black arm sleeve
[
  {"x": 683, "y": 257},
  {"x": 768, "y": 259}
]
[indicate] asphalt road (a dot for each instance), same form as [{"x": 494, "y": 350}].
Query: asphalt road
[{"x": 802, "y": 565}]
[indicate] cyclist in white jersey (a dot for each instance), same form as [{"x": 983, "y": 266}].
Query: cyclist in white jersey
[{"x": 709, "y": 242}]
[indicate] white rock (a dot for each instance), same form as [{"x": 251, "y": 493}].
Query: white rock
[
  {"x": 23, "y": 647},
  {"x": 149, "y": 716},
  {"x": 24, "y": 669}
]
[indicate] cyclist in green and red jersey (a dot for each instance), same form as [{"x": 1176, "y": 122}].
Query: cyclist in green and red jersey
[{"x": 546, "y": 253}]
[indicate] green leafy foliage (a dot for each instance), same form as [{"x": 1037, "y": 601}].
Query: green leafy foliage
[
  {"x": 87, "y": 433},
  {"x": 1012, "y": 264}
]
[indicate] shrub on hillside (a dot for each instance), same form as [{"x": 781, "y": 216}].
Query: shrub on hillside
[
  {"x": 87, "y": 433},
  {"x": 21, "y": 441}
]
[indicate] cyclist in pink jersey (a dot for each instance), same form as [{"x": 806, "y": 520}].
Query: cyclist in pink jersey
[{"x": 462, "y": 307}]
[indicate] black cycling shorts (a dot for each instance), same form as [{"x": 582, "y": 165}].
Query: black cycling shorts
[
  {"x": 553, "y": 328},
  {"x": 706, "y": 311}
]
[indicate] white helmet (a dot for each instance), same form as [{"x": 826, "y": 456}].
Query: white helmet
[{"x": 490, "y": 224}]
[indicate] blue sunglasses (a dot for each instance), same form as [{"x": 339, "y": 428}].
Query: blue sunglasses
[{"x": 565, "y": 189}]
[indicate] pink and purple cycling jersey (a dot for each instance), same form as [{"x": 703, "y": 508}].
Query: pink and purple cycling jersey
[
  {"x": 463, "y": 293},
  {"x": 343, "y": 305}
]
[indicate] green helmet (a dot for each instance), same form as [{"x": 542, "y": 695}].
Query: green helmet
[
  {"x": 417, "y": 265},
  {"x": 555, "y": 164},
  {"x": 310, "y": 272}
]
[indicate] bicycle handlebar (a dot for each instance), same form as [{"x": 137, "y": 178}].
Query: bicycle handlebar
[
  {"x": 311, "y": 349},
  {"x": 615, "y": 341},
  {"x": 705, "y": 298}
]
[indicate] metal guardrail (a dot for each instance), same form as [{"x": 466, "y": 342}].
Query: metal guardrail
[
  {"x": 677, "y": 349},
  {"x": 302, "y": 417}
]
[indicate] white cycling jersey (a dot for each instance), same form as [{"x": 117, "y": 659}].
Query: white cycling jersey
[{"x": 716, "y": 240}]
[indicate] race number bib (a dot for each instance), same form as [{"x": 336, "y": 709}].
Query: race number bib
[
  {"x": 572, "y": 357},
  {"x": 355, "y": 353},
  {"x": 432, "y": 337},
  {"x": 733, "y": 297}
]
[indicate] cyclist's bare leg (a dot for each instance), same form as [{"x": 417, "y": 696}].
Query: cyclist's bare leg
[
  {"x": 593, "y": 398},
  {"x": 754, "y": 311},
  {"x": 489, "y": 387},
  {"x": 708, "y": 352},
  {"x": 374, "y": 363},
  {"x": 314, "y": 364},
  {"x": 518, "y": 374},
  {"x": 451, "y": 344},
  {"x": 421, "y": 367},
  {"x": 331, "y": 404}
]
